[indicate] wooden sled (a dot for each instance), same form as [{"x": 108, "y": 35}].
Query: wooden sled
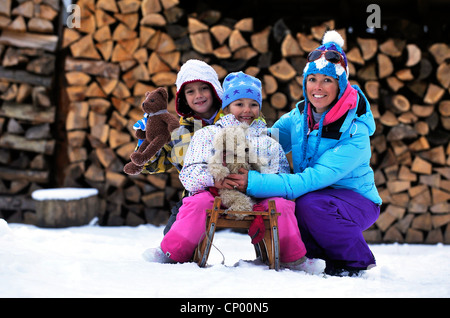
[{"x": 268, "y": 249}]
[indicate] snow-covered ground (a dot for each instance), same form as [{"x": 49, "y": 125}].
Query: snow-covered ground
[{"x": 94, "y": 261}]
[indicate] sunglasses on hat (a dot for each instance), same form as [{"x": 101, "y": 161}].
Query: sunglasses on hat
[{"x": 331, "y": 56}]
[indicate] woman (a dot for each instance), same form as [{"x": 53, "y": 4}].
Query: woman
[{"x": 333, "y": 183}]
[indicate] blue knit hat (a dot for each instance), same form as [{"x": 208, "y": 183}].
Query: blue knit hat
[
  {"x": 240, "y": 85},
  {"x": 332, "y": 40}
]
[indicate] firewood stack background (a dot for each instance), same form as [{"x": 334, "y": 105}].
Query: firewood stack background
[
  {"x": 28, "y": 53},
  {"x": 69, "y": 97}
]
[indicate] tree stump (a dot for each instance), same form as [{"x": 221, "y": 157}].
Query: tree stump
[{"x": 65, "y": 207}]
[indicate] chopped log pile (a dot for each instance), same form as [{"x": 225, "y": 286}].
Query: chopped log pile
[
  {"x": 409, "y": 87},
  {"x": 28, "y": 45},
  {"x": 124, "y": 48}
]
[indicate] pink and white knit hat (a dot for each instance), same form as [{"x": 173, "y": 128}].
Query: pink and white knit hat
[{"x": 191, "y": 71}]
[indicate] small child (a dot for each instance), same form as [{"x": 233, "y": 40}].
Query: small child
[
  {"x": 198, "y": 102},
  {"x": 241, "y": 104}
]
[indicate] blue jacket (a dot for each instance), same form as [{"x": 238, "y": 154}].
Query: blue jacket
[{"x": 336, "y": 155}]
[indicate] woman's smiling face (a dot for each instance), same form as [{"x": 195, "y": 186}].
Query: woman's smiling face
[{"x": 321, "y": 91}]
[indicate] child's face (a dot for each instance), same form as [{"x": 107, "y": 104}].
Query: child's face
[
  {"x": 244, "y": 109},
  {"x": 199, "y": 97}
]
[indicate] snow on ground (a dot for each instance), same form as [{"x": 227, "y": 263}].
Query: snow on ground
[{"x": 93, "y": 261}]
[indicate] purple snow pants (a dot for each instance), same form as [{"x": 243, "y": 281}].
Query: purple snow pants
[{"x": 331, "y": 223}]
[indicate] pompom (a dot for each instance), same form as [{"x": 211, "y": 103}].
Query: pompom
[{"x": 333, "y": 36}]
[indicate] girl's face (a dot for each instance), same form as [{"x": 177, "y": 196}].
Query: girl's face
[
  {"x": 244, "y": 109},
  {"x": 321, "y": 91},
  {"x": 199, "y": 97}
]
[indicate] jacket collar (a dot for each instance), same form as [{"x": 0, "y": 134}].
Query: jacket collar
[
  {"x": 191, "y": 119},
  {"x": 348, "y": 100}
]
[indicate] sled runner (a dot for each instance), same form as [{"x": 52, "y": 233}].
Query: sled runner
[{"x": 268, "y": 249}]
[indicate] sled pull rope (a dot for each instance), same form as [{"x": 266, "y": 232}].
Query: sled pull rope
[{"x": 209, "y": 242}]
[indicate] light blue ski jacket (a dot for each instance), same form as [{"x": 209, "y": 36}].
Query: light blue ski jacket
[{"x": 335, "y": 155}]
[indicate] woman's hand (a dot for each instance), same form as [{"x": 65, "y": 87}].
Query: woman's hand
[
  {"x": 240, "y": 180},
  {"x": 225, "y": 184}
]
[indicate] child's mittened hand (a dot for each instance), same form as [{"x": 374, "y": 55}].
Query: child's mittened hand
[{"x": 257, "y": 228}]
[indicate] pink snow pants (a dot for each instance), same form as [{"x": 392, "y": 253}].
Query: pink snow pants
[{"x": 190, "y": 227}]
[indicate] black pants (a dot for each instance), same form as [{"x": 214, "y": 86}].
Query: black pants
[{"x": 173, "y": 216}]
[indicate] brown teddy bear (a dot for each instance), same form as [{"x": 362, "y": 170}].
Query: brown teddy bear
[{"x": 158, "y": 129}]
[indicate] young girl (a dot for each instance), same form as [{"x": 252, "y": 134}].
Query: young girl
[
  {"x": 242, "y": 103},
  {"x": 198, "y": 102}
]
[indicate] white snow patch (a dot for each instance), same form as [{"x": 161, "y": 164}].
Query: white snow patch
[{"x": 63, "y": 193}]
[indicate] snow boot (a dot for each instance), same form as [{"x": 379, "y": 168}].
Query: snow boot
[
  {"x": 156, "y": 255},
  {"x": 335, "y": 269}
]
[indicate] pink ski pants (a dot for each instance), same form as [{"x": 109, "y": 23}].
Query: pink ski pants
[{"x": 190, "y": 227}]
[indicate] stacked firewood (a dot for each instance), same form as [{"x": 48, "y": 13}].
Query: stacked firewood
[
  {"x": 120, "y": 51},
  {"x": 28, "y": 42},
  {"x": 124, "y": 48},
  {"x": 409, "y": 87}
]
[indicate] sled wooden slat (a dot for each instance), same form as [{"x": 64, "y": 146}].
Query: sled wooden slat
[{"x": 267, "y": 249}]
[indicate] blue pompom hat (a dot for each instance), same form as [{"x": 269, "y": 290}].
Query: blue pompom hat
[
  {"x": 333, "y": 41},
  {"x": 240, "y": 85}
]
